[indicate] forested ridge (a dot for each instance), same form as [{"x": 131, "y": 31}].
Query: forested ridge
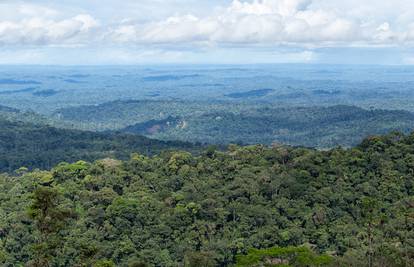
[
  {"x": 223, "y": 122},
  {"x": 38, "y": 145},
  {"x": 247, "y": 206}
]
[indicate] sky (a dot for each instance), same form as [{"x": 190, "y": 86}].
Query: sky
[{"x": 108, "y": 32}]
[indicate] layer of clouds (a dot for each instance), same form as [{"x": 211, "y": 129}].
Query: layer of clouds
[
  {"x": 308, "y": 23},
  {"x": 40, "y": 31},
  {"x": 270, "y": 22}
]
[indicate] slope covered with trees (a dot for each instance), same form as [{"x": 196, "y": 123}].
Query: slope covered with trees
[
  {"x": 243, "y": 123},
  {"x": 248, "y": 206},
  {"x": 24, "y": 144},
  {"x": 321, "y": 127}
]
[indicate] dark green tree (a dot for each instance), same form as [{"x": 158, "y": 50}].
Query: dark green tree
[{"x": 50, "y": 219}]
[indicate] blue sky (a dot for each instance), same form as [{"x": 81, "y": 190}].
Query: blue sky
[{"x": 206, "y": 31}]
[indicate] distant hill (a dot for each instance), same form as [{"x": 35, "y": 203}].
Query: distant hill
[
  {"x": 8, "y": 109},
  {"x": 152, "y": 127},
  {"x": 40, "y": 146},
  {"x": 224, "y": 122},
  {"x": 321, "y": 127},
  {"x": 252, "y": 93},
  {"x": 31, "y": 117}
]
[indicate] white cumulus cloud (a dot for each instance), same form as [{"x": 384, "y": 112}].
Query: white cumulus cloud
[
  {"x": 29, "y": 24},
  {"x": 260, "y": 21},
  {"x": 306, "y": 23}
]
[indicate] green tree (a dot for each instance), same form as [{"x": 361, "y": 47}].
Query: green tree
[{"x": 49, "y": 218}]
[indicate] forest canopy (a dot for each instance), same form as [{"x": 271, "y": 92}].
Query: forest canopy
[{"x": 254, "y": 205}]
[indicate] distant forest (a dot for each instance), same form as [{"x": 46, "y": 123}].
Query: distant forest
[{"x": 224, "y": 123}]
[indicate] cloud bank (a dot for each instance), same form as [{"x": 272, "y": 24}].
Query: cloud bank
[
  {"x": 41, "y": 31},
  {"x": 258, "y": 22},
  {"x": 305, "y": 24}
]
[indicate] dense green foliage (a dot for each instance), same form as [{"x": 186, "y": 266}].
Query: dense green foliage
[
  {"x": 49, "y": 219},
  {"x": 176, "y": 209},
  {"x": 244, "y": 123},
  {"x": 288, "y": 256},
  {"x": 40, "y": 146}
]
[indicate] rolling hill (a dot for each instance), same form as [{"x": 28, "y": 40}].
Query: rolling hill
[{"x": 41, "y": 146}]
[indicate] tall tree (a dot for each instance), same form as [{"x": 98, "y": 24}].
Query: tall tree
[{"x": 49, "y": 218}]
